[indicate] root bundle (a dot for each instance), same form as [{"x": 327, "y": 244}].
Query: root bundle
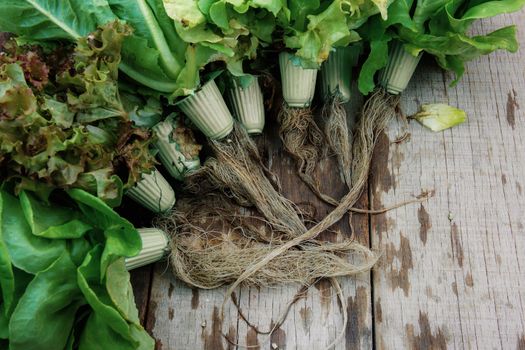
[
  {"x": 338, "y": 136},
  {"x": 304, "y": 141},
  {"x": 218, "y": 252},
  {"x": 245, "y": 253}
]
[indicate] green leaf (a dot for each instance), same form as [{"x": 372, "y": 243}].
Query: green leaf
[
  {"x": 99, "y": 335},
  {"x": 4, "y": 324},
  {"x": 44, "y": 316},
  {"x": 120, "y": 291},
  {"x": 96, "y": 212},
  {"x": 185, "y": 12},
  {"x": 122, "y": 239},
  {"x": 425, "y": 10},
  {"x": 78, "y": 249},
  {"x": 440, "y": 28},
  {"x": 7, "y": 278},
  {"x": 328, "y": 29},
  {"x": 141, "y": 63},
  {"x": 108, "y": 324},
  {"x": 219, "y": 15},
  {"x": 485, "y": 9},
  {"x": 28, "y": 252},
  {"x": 274, "y": 6},
  {"x": 452, "y": 51},
  {"x": 59, "y": 111},
  {"x": 22, "y": 280},
  {"x": 52, "y": 221},
  {"x": 399, "y": 12},
  {"x": 299, "y": 10},
  {"x": 377, "y": 59},
  {"x": 143, "y": 112},
  {"x": 439, "y": 117},
  {"x": 53, "y": 19},
  {"x": 176, "y": 44},
  {"x": 107, "y": 186},
  {"x": 88, "y": 276}
]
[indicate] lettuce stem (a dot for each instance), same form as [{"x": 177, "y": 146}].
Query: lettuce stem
[
  {"x": 169, "y": 62},
  {"x": 154, "y": 84}
]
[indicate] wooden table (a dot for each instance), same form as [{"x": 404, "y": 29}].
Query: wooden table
[{"x": 452, "y": 272}]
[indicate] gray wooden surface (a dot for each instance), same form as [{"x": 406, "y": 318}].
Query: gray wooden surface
[{"x": 452, "y": 273}]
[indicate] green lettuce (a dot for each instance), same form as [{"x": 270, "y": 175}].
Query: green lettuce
[
  {"x": 439, "y": 28},
  {"x": 62, "y": 274}
]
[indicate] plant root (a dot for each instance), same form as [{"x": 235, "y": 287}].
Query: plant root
[
  {"x": 338, "y": 136},
  {"x": 304, "y": 141}
]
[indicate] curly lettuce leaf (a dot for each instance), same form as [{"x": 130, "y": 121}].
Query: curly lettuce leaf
[
  {"x": 74, "y": 131},
  {"x": 143, "y": 112},
  {"x": 327, "y": 27},
  {"x": 221, "y": 30},
  {"x": 300, "y": 10},
  {"x": 324, "y": 31}
]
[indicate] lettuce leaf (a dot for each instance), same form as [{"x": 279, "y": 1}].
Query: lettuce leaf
[
  {"x": 439, "y": 117},
  {"x": 53, "y": 19}
]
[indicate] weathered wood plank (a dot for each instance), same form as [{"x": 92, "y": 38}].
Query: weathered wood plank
[
  {"x": 452, "y": 274},
  {"x": 183, "y": 318}
]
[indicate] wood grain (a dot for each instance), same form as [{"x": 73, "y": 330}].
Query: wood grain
[{"x": 452, "y": 271}]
